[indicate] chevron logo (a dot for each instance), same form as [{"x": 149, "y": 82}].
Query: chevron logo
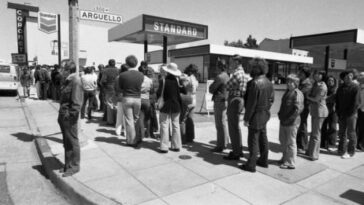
[{"x": 47, "y": 22}]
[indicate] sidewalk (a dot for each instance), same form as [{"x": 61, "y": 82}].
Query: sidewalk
[{"x": 112, "y": 173}]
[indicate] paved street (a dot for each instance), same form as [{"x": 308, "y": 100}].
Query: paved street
[
  {"x": 116, "y": 174},
  {"x": 22, "y": 180}
]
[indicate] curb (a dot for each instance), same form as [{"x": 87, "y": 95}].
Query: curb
[{"x": 76, "y": 192}]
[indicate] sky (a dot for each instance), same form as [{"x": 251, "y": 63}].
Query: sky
[{"x": 226, "y": 19}]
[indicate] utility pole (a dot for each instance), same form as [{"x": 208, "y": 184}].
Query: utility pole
[{"x": 73, "y": 31}]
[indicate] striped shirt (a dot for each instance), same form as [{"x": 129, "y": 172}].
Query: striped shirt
[{"x": 236, "y": 86}]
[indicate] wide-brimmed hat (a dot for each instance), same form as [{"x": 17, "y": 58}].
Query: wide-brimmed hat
[
  {"x": 237, "y": 57},
  {"x": 172, "y": 68}
]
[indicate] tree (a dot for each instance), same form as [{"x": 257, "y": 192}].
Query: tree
[
  {"x": 239, "y": 43},
  {"x": 250, "y": 43}
]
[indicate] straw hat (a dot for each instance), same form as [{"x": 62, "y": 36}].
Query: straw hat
[{"x": 172, "y": 68}]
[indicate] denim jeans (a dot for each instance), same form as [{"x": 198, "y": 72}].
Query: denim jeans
[
  {"x": 131, "y": 108},
  {"x": 257, "y": 142},
  {"x": 110, "y": 111},
  {"x": 347, "y": 131},
  {"x": 90, "y": 97},
  {"x": 360, "y": 129},
  {"x": 167, "y": 119},
  {"x": 144, "y": 119},
  {"x": 120, "y": 122},
  {"x": 235, "y": 107},
  {"x": 302, "y": 136},
  {"x": 313, "y": 150},
  {"x": 221, "y": 124},
  {"x": 69, "y": 129},
  {"x": 287, "y": 138},
  {"x": 329, "y": 131},
  {"x": 187, "y": 124}
]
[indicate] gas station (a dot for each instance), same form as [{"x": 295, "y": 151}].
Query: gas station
[
  {"x": 333, "y": 51},
  {"x": 152, "y": 30}
]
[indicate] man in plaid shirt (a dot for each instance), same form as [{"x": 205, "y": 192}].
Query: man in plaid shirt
[{"x": 236, "y": 87}]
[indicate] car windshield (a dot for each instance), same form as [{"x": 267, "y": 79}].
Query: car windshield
[{"x": 4, "y": 69}]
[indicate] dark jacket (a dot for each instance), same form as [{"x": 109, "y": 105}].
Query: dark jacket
[
  {"x": 218, "y": 87},
  {"x": 71, "y": 98},
  {"x": 347, "y": 100},
  {"x": 171, "y": 95},
  {"x": 330, "y": 99},
  {"x": 26, "y": 80},
  {"x": 259, "y": 101},
  {"x": 57, "y": 78},
  {"x": 291, "y": 107},
  {"x": 42, "y": 76},
  {"x": 108, "y": 78}
]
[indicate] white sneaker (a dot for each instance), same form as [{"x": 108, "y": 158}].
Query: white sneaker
[{"x": 346, "y": 156}]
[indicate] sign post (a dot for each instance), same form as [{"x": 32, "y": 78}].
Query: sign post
[{"x": 19, "y": 58}]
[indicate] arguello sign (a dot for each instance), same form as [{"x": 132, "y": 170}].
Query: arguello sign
[{"x": 99, "y": 16}]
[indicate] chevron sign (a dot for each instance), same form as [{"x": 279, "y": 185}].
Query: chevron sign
[{"x": 47, "y": 22}]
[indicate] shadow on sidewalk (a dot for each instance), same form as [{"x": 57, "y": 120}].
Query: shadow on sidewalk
[
  {"x": 204, "y": 151},
  {"x": 275, "y": 147},
  {"x": 48, "y": 137},
  {"x": 354, "y": 196},
  {"x": 111, "y": 140},
  {"x": 112, "y": 131},
  {"x": 41, "y": 170},
  {"x": 147, "y": 144},
  {"x": 22, "y": 136}
]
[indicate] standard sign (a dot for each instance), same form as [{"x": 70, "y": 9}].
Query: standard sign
[
  {"x": 103, "y": 17},
  {"x": 17, "y": 58},
  {"x": 47, "y": 22},
  {"x": 174, "y": 27}
]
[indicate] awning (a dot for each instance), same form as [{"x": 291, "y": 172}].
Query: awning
[{"x": 338, "y": 41}]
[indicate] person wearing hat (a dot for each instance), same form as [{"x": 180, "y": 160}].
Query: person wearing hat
[
  {"x": 219, "y": 96},
  {"x": 69, "y": 111},
  {"x": 289, "y": 116},
  {"x": 236, "y": 86},
  {"x": 170, "y": 112},
  {"x": 130, "y": 83}
]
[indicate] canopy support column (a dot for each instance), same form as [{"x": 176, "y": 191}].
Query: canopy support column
[
  {"x": 145, "y": 50},
  {"x": 165, "y": 49},
  {"x": 327, "y": 56}
]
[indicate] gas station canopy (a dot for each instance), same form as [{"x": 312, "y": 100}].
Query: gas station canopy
[
  {"x": 151, "y": 30},
  {"x": 348, "y": 39}
]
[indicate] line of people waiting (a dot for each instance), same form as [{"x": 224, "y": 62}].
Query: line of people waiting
[
  {"x": 328, "y": 101},
  {"x": 131, "y": 95}
]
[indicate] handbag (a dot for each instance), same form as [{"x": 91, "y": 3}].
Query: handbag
[{"x": 160, "y": 101}]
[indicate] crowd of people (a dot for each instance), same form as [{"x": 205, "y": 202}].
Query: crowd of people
[
  {"x": 328, "y": 100},
  {"x": 138, "y": 102}
]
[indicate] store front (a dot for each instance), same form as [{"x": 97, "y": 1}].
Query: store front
[{"x": 206, "y": 58}]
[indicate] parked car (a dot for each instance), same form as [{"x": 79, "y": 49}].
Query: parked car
[{"x": 8, "y": 77}]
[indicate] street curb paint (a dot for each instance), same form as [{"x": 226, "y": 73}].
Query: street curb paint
[{"x": 76, "y": 192}]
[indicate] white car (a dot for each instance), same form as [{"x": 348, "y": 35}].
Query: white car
[{"x": 8, "y": 77}]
